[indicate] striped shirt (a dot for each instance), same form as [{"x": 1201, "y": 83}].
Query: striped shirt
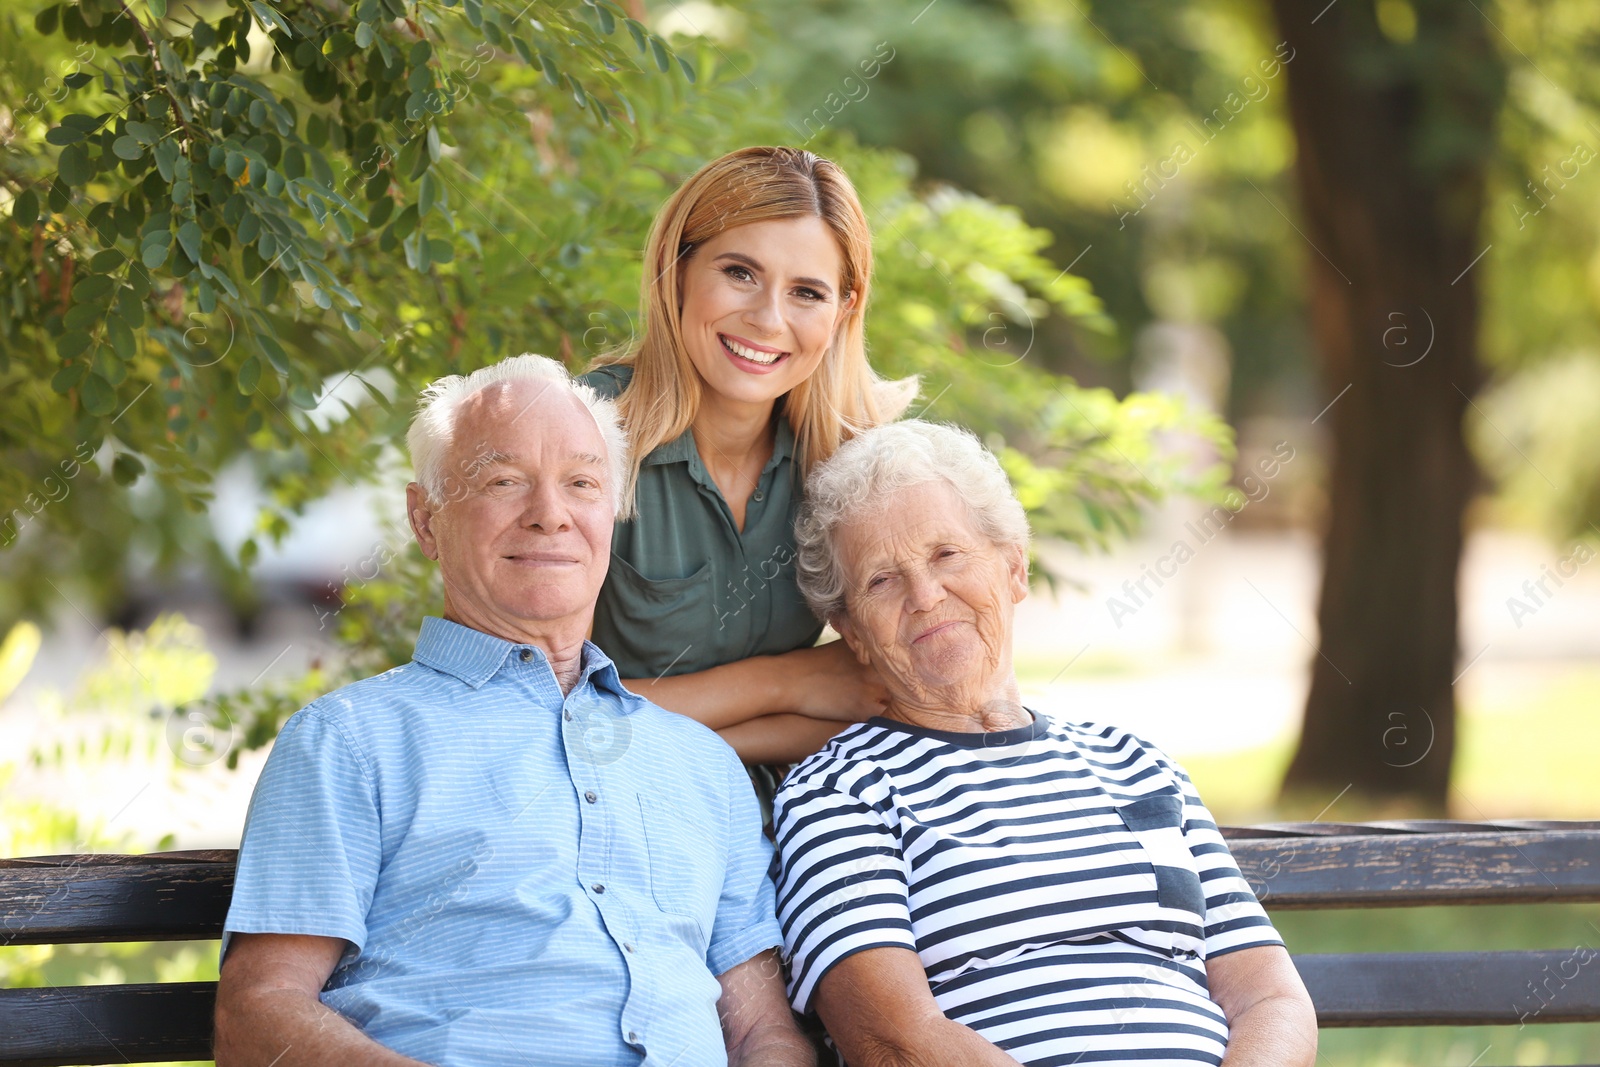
[{"x": 1062, "y": 884}]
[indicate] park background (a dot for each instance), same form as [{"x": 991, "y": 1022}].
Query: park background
[{"x": 1307, "y": 289}]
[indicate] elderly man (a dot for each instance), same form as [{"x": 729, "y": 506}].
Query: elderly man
[{"x": 495, "y": 854}]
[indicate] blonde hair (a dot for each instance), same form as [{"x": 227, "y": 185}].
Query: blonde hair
[{"x": 843, "y": 397}]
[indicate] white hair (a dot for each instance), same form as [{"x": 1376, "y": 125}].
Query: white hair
[
  {"x": 432, "y": 431},
  {"x": 853, "y": 484}
]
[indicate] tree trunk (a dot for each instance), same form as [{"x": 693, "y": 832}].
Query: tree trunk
[{"x": 1394, "y": 143}]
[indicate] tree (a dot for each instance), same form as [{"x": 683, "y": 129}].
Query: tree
[
  {"x": 219, "y": 215},
  {"x": 1396, "y": 132}
]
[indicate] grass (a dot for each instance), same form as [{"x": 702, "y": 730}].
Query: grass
[
  {"x": 1566, "y": 927},
  {"x": 1525, "y": 749}
]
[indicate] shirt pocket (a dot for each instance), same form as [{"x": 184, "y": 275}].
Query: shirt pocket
[
  {"x": 685, "y": 872},
  {"x": 650, "y": 623},
  {"x": 1156, "y": 822}
]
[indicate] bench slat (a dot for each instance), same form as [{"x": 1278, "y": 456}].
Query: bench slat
[
  {"x": 174, "y": 896},
  {"x": 1407, "y": 870},
  {"x": 1453, "y": 988},
  {"x": 79, "y": 900},
  {"x": 106, "y": 1024}
]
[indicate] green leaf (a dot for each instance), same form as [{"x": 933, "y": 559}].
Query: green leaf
[
  {"x": 405, "y": 222},
  {"x": 236, "y": 162},
  {"x": 407, "y": 160},
  {"x": 274, "y": 351},
  {"x": 64, "y": 135},
  {"x": 25, "y": 209},
  {"x": 83, "y": 315},
  {"x": 364, "y": 35},
  {"x": 127, "y": 467},
  {"x": 440, "y": 250},
  {"x": 427, "y": 195},
  {"x": 143, "y": 132},
  {"x": 106, "y": 261},
  {"x": 249, "y": 375},
  {"x": 608, "y": 21},
  {"x": 93, "y": 287},
  {"x": 68, "y": 376},
  {"x": 155, "y": 252},
  {"x": 166, "y": 154},
  {"x": 73, "y": 343},
  {"x": 75, "y": 166},
  {"x": 637, "y": 30},
  {"x": 78, "y": 80},
  {"x": 381, "y": 210},
  {"x": 127, "y": 148},
  {"x": 551, "y": 74},
  {"x": 130, "y": 306},
  {"x": 121, "y": 338},
  {"x": 99, "y": 398},
  {"x": 47, "y": 20},
  {"x": 270, "y": 19},
  {"x": 688, "y": 71}
]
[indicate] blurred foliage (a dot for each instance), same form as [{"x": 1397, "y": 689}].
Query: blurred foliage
[
  {"x": 17, "y": 653},
  {"x": 1149, "y": 137},
  {"x": 129, "y": 694},
  {"x": 1538, "y": 433}
]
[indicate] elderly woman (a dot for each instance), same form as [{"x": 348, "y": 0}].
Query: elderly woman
[{"x": 963, "y": 880}]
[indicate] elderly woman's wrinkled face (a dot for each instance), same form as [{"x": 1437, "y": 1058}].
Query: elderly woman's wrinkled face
[{"x": 929, "y": 597}]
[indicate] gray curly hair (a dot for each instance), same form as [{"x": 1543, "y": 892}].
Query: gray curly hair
[{"x": 853, "y": 483}]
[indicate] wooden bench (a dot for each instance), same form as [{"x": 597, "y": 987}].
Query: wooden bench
[{"x": 184, "y": 895}]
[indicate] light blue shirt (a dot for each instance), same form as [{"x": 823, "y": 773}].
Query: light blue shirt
[{"x": 522, "y": 876}]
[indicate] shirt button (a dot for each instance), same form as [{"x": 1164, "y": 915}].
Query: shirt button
[
  {"x": 628, "y": 946},
  {"x": 598, "y": 888},
  {"x": 758, "y": 496},
  {"x": 591, "y": 796},
  {"x": 527, "y": 654},
  {"x": 567, "y": 715},
  {"x": 633, "y": 1038}
]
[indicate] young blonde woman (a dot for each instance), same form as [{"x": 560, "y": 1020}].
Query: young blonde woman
[{"x": 752, "y": 369}]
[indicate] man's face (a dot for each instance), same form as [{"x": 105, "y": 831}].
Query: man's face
[{"x": 522, "y": 533}]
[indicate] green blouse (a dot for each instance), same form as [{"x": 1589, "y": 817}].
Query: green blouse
[{"x": 687, "y": 590}]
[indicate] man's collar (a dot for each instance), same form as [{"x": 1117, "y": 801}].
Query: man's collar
[
  {"x": 681, "y": 448},
  {"x": 474, "y": 656}
]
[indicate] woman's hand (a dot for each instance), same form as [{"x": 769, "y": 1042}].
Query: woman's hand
[{"x": 827, "y": 682}]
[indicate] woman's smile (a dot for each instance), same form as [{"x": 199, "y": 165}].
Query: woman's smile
[{"x": 749, "y": 356}]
